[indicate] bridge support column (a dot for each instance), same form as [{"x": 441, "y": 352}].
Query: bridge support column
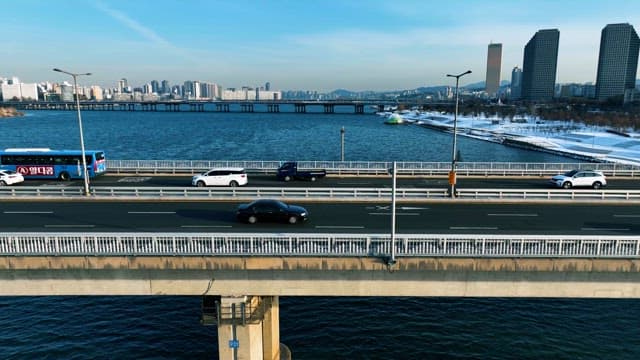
[{"x": 249, "y": 328}]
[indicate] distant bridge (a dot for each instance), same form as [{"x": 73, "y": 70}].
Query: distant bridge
[{"x": 242, "y": 106}]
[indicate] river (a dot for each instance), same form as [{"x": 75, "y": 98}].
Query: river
[{"x": 317, "y": 327}]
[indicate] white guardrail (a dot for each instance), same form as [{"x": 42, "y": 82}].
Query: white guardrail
[
  {"x": 327, "y": 245},
  {"x": 162, "y": 167},
  {"x": 310, "y": 194}
]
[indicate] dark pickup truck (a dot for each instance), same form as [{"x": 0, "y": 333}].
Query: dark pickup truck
[{"x": 289, "y": 171}]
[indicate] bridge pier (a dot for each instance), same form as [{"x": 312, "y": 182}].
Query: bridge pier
[
  {"x": 359, "y": 108},
  {"x": 222, "y": 107},
  {"x": 246, "y": 107},
  {"x": 248, "y": 327},
  {"x": 300, "y": 108},
  {"x": 196, "y": 107},
  {"x": 273, "y": 108},
  {"x": 328, "y": 109}
]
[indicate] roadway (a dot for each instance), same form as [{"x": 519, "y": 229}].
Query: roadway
[
  {"x": 208, "y": 216},
  {"x": 346, "y": 182}
]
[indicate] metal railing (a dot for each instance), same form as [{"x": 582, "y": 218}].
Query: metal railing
[
  {"x": 311, "y": 194},
  {"x": 323, "y": 245},
  {"x": 161, "y": 167}
]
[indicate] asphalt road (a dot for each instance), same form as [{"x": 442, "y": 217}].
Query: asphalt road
[
  {"x": 347, "y": 182},
  {"x": 176, "y": 216}
]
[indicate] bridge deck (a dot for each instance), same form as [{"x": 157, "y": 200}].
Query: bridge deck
[{"x": 315, "y": 276}]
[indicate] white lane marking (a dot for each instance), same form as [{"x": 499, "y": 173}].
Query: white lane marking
[
  {"x": 28, "y": 212},
  {"x": 338, "y": 227},
  {"x": 472, "y": 228},
  {"x": 205, "y": 226},
  {"x": 604, "y": 229},
  {"x": 412, "y": 208},
  {"x": 56, "y": 184},
  {"x": 134, "y": 179},
  {"x": 70, "y": 225},
  {"x": 397, "y": 214},
  {"x": 151, "y": 212},
  {"x": 627, "y": 216},
  {"x": 517, "y": 215}
]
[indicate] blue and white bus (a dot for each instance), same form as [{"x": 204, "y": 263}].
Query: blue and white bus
[{"x": 44, "y": 163}]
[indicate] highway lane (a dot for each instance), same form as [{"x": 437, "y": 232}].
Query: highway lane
[
  {"x": 177, "y": 216},
  {"x": 347, "y": 182}
]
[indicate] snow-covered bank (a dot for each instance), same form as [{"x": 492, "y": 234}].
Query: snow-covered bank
[{"x": 564, "y": 138}]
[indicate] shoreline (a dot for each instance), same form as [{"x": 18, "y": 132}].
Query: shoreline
[
  {"x": 577, "y": 142},
  {"x": 7, "y": 112}
]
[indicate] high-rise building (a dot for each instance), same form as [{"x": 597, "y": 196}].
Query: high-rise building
[
  {"x": 155, "y": 86},
  {"x": 539, "y": 66},
  {"x": 618, "y": 61},
  {"x": 267, "y": 86},
  {"x": 122, "y": 85},
  {"x": 516, "y": 83},
  {"x": 165, "y": 88},
  {"x": 494, "y": 62}
]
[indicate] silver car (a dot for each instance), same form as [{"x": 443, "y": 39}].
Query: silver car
[{"x": 579, "y": 178}]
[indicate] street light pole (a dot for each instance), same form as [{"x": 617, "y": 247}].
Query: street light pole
[
  {"x": 452, "y": 173},
  {"x": 84, "y": 159},
  {"x": 342, "y": 144},
  {"x": 391, "y": 261}
]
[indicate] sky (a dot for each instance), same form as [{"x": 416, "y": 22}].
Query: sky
[{"x": 318, "y": 45}]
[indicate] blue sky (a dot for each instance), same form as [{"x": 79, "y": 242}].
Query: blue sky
[{"x": 299, "y": 44}]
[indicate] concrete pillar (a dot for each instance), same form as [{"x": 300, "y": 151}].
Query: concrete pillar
[
  {"x": 271, "y": 330},
  {"x": 248, "y": 328}
]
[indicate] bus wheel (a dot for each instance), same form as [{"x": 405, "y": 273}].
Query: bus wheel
[{"x": 64, "y": 176}]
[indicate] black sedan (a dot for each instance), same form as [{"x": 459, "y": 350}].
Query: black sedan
[{"x": 271, "y": 211}]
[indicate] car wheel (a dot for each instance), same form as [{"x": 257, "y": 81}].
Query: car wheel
[
  {"x": 313, "y": 178},
  {"x": 566, "y": 185},
  {"x": 2, "y": 183},
  {"x": 64, "y": 176},
  {"x": 233, "y": 183},
  {"x": 597, "y": 185},
  {"x": 287, "y": 178},
  {"x": 252, "y": 219},
  {"x": 293, "y": 219},
  {"x": 200, "y": 183}
]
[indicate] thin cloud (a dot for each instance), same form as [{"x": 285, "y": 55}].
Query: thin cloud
[{"x": 133, "y": 25}]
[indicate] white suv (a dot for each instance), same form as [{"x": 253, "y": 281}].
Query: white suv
[
  {"x": 576, "y": 178},
  {"x": 221, "y": 177}
]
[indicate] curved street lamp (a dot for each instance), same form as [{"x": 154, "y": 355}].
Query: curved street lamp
[
  {"x": 84, "y": 159},
  {"x": 452, "y": 173}
]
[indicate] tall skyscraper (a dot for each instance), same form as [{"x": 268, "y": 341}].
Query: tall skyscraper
[
  {"x": 539, "y": 66},
  {"x": 122, "y": 85},
  {"x": 516, "y": 83},
  {"x": 494, "y": 62},
  {"x": 165, "y": 88},
  {"x": 618, "y": 61}
]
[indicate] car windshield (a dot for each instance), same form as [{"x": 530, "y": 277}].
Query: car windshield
[
  {"x": 570, "y": 173},
  {"x": 269, "y": 203}
]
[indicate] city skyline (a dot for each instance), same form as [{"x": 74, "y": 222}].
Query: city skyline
[{"x": 354, "y": 45}]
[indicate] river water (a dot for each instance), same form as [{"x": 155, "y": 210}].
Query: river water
[{"x": 317, "y": 327}]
